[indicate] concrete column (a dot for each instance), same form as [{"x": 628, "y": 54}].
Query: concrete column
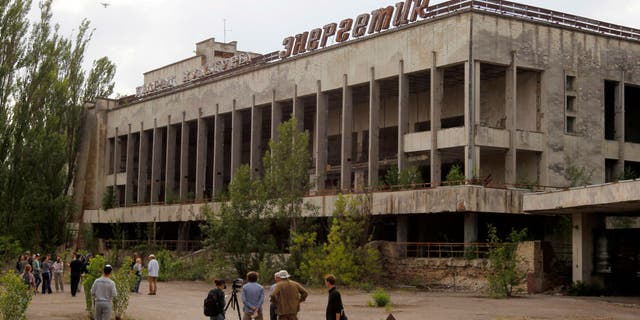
[
  {"x": 437, "y": 95},
  {"x": 128, "y": 189},
  {"x": 374, "y": 128},
  {"x": 256, "y": 140},
  {"x": 298, "y": 109},
  {"x": 402, "y": 232},
  {"x": 471, "y": 118},
  {"x": 201, "y": 157},
  {"x": 582, "y": 246},
  {"x": 276, "y": 116},
  {"x": 470, "y": 227},
  {"x": 236, "y": 139},
  {"x": 403, "y": 114},
  {"x": 170, "y": 184},
  {"x": 347, "y": 140},
  {"x": 321, "y": 137},
  {"x": 620, "y": 125},
  {"x": 218, "y": 154},
  {"x": 143, "y": 165},
  {"x": 155, "y": 163},
  {"x": 511, "y": 88},
  {"x": 184, "y": 159}
]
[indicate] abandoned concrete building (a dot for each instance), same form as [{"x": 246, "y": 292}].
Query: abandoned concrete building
[{"x": 523, "y": 99}]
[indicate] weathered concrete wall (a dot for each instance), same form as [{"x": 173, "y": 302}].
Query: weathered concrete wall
[
  {"x": 559, "y": 52},
  {"x": 448, "y": 37},
  {"x": 458, "y": 273}
]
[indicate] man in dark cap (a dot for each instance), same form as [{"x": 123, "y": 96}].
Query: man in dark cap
[{"x": 103, "y": 291}]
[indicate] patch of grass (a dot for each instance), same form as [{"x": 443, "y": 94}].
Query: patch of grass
[{"x": 380, "y": 298}]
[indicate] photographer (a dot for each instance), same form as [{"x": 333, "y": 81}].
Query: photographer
[
  {"x": 252, "y": 297},
  {"x": 216, "y": 299}
]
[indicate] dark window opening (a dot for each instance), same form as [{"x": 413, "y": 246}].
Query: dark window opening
[{"x": 610, "y": 110}]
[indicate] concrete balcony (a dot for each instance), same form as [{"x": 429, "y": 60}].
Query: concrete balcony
[{"x": 465, "y": 198}]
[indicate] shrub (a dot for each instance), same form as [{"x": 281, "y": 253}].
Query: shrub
[
  {"x": 504, "y": 274},
  {"x": 346, "y": 253},
  {"x": 455, "y": 176},
  {"x": 380, "y": 298},
  {"x": 15, "y": 296},
  {"x": 94, "y": 271},
  {"x": 124, "y": 282}
]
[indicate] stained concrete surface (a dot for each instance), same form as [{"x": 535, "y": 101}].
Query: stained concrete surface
[{"x": 183, "y": 300}]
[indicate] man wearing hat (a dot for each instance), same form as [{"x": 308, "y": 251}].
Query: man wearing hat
[
  {"x": 153, "y": 267},
  {"x": 103, "y": 291},
  {"x": 287, "y": 296}
]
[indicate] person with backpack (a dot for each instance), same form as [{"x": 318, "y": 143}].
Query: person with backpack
[
  {"x": 335, "y": 309},
  {"x": 214, "y": 302}
]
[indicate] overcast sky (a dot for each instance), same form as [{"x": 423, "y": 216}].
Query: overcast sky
[{"x": 141, "y": 35}]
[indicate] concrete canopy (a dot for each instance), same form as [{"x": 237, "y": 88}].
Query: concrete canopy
[{"x": 619, "y": 197}]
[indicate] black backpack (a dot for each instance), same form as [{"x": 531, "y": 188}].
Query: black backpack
[{"x": 210, "y": 304}]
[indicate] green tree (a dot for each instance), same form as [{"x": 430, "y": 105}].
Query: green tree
[
  {"x": 42, "y": 91},
  {"x": 345, "y": 253},
  {"x": 504, "y": 274},
  {"x": 240, "y": 227},
  {"x": 286, "y": 167}
]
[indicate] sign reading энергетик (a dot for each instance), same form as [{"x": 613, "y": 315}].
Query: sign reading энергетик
[{"x": 378, "y": 20}]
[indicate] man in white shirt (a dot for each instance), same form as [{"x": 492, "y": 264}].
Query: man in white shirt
[
  {"x": 153, "y": 269},
  {"x": 103, "y": 291}
]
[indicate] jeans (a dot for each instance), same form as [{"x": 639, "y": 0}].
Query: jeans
[
  {"x": 38, "y": 280},
  {"x": 218, "y": 317},
  {"x": 136, "y": 288},
  {"x": 46, "y": 282}
]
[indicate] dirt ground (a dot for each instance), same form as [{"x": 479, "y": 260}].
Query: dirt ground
[{"x": 183, "y": 300}]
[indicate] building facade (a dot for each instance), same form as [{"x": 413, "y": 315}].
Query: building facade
[{"x": 516, "y": 96}]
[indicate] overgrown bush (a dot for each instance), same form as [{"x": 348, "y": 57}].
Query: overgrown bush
[
  {"x": 191, "y": 268},
  {"x": 15, "y": 296},
  {"x": 402, "y": 179},
  {"x": 94, "y": 271},
  {"x": 455, "y": 176},
  {"x": 345, "y": 254},
  {"x": 380, "y": 298},
  {"x": 504, "y": 274},
  {"x": 124, "y": 280}
]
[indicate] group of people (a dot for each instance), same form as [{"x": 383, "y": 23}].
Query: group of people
[
  {"x": 35, "y": 272},
  {"x": 285, "y": 297}
]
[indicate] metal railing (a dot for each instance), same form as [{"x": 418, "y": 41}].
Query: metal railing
[
  {"x": 180, "y": 245},
  {"x": 444, "y": 250}
]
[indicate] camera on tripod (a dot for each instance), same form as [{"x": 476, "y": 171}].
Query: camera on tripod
[{"x": 237, "y": 283}]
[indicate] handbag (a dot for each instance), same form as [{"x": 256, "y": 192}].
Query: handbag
[{"x": 343, "y": 316}]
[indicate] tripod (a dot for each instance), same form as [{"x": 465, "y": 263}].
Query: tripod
[{"x": 233, "y": 302}]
